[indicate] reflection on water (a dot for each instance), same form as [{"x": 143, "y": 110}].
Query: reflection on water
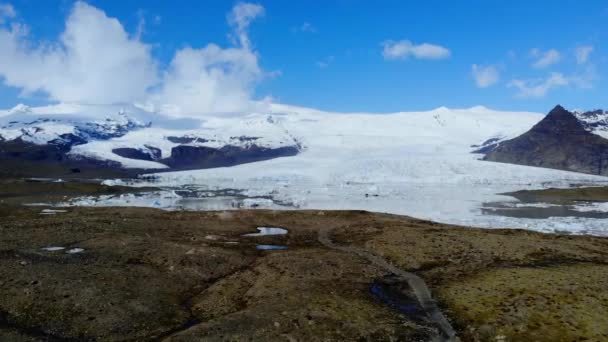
[
  {"x": 541, "y": 212},
  {"x": 270, "y": 247},
  {"x": 266, "y": 231}
]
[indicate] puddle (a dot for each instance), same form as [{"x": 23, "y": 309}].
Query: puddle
[
  {"x": 268, "y": 231},
  {"x": 52, "y": 248},
  {"x": 396, "y": 296},
  {"x": 75, "y": 250},
  {"x": 52, "y": 211},
  {"x": 270, "y": 247}
]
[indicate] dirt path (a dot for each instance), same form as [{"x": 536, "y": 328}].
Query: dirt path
[{"x": 421, "y": 290}]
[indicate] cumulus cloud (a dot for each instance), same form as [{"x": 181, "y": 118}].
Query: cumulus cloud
[
  {"x": 403, "y": 49},
  {"x": 210, "y": 79},
  {"x": 582, "y": 53},
  {"x": 546, "y": 58},
  {"x": 7, "y": 11},
  {"x": 539, "y": 87},
  {"x": 96, "y": 61},
  {"x": 213, "y": 79},
  {"x": 240, "y": 18},
  {"x": 485, "y": 76}
]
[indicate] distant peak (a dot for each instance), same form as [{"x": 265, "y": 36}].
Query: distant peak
[
  {"x": 558, "y": 108},
  {"x": 479, "y": 108},
  {"x": 20, "y": 109}
]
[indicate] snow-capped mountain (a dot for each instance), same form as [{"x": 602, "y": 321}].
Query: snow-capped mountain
[
  {"x": 131, "y": 138},
  {"x": 595, "y": 121},
  {"x": 27, "y": 125}
]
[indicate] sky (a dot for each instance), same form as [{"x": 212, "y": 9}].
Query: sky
[{"x": 192, "y": 56}]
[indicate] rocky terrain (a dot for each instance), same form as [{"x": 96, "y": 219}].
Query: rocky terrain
[
  {"x": 559, "y": 141},
  {"x": 115, "y": 274}
]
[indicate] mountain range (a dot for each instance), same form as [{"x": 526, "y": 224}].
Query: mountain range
[{"x": 123, "y": 141}]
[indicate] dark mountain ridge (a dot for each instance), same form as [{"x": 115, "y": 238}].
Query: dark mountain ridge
[{"x": 559, "y": 141}]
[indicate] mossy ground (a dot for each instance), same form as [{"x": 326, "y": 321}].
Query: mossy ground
[{"x": 153, "y": 275}]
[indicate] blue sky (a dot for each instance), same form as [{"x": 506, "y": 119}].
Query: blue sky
[{"x": 345, "y": 55}]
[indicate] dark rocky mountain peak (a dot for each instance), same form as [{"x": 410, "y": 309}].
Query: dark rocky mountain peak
[
  {"x": 560, "y": 121},
  {"x": 558, "y": 141}
]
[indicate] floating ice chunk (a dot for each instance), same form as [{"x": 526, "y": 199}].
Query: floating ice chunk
[
  {"x": 265, "y": 231},
  {"x": 592, "y": 207},
  {"x": 52, "y": 248},
  {"x": 75, "y": 250},
  {"x": 535, "y": 205}
]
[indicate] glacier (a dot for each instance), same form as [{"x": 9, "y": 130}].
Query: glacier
[{"x": 409, "y": 163}]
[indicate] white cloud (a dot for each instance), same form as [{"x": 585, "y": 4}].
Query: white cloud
[
  {"x": 324, "y": 63},
  {"x": 305, "y": 27},
  {"x": 207, "y": 80},
  {"x": 240, "y": 18},
  {"x": 212, "y": 79},
  {"x": 539, "y": 87},
  {"x": 485, "y": 76},
  {"x": 582, "y": 53},
  {"x": 545, "y": 59},
  {"x": 96, "y": 61},
  {"x": 403, "y": 49},
  {"x": 7, "y": 11}
]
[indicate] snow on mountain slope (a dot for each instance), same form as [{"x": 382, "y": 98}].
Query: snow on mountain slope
[
  {"x": 42, "y": 125},
  {"x": 97, "y": 131}
]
